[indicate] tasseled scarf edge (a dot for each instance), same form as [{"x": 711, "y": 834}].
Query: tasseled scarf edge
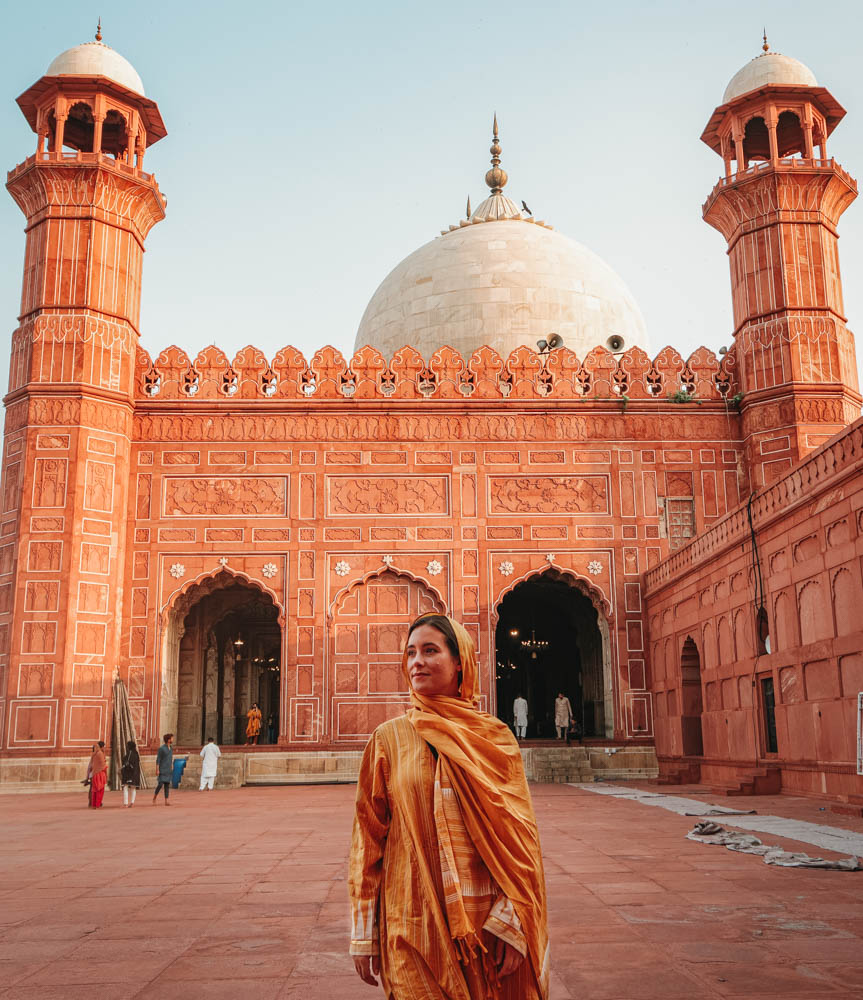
[{"x": 467, "y": 948}]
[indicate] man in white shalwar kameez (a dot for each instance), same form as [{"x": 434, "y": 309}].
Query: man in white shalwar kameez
[
  {"x": 519, "y": 715},
  {"x": 211, "y": 754}
]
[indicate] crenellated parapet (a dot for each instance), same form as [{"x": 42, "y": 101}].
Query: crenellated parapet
[{"x": 445, "y": 376}]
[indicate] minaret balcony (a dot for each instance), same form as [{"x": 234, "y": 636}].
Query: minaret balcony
[
  {"x": 787, "y": 164},
  {"x": 72, "y": 157}
]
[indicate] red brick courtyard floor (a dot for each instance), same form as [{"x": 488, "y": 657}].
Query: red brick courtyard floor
[{"x": 241, "y": 894}]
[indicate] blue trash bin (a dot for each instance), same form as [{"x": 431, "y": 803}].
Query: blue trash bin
[{"x": 179, "y": 767}]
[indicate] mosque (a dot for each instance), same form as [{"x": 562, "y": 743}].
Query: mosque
[{"x": 674, "y": 543}]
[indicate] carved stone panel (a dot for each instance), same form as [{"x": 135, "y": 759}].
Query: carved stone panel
[
  {"x": 36, "y": 680},
  {"x": 49, "y": 482},
  {"x": 99, "y": 491},
  {"x": 548, "y": 495},
  {"x": 247, "y": 496},
  {"x": 377, "y": 495}
]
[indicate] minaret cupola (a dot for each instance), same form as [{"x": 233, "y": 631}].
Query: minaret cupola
[
  {"x": 91, "y": 100},
  {"x": 772, "y": 109}
]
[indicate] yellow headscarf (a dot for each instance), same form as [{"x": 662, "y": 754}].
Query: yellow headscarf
[{"x": 483, "y": 764}]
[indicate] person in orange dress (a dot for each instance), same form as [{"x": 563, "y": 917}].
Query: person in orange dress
[
  {"x": 98, "y": 772},
  {"x": 446, "y": 882},
  {"x": 253, "y": 729}
]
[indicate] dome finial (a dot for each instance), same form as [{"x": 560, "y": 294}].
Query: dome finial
[
  {"x": 496, "y": 178},
  {"x": 468, "y": 208},
  {"x": 765, "y": 46},
  {"x": 99, "y": 29}
]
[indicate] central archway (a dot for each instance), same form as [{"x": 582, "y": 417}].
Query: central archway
[
  {"x": 551, "y": 638},
  {"x": 222, "y": 651}
]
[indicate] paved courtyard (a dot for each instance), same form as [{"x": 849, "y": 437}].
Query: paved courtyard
[{"x": 241, "y": 894}]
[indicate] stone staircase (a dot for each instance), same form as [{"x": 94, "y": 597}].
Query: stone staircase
[
  {"x": 576, "y": 764},
  {"x": 231, "y": 772},
  {"x": 852, "y": 806},
  {"x": 761, "y": 781},
  {"x": 557, "y": 764},
  {"x": 679, "y": 773}
]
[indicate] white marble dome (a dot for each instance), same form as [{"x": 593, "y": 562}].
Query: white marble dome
[
  {"x": 97, "y": 59},
  {"x": 769, "y": 67},
  {"x": 502, "y": 283}
]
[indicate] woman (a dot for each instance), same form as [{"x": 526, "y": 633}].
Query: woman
[
  {"x": 130, "y": 774},
  {"x": 253, "y": 729},
  {"x": 446, "y": 881},
  {"x": 98, "y": 772}
]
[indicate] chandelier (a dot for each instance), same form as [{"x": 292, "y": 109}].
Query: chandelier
[
  {"x": 534, "y": 645},
  {"x": 267, "y": 663}
]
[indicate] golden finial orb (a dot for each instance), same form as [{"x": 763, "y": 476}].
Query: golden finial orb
[
  {"x": 99, "y": 30},
  {"x": 765, "y": 46}
]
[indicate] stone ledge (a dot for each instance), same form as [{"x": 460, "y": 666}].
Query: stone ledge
[{"x": 541, "y": 764}]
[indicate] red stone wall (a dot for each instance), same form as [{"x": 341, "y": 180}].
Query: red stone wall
[
  {"x": 809, "y": 528},
  {"x": 356, "y": 511}
]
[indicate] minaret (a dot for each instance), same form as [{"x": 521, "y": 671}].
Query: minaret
[
  {"x": 778, "y": 206},
  {"x": 89, "y": 207}
]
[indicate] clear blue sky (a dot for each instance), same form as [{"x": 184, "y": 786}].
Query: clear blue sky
[{"x": 312, "y": 146}]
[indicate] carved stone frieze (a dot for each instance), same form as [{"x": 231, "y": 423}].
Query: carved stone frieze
[
  {"x": 119, "y": 196},
  {"x": 498, "y": 426},
  {"x": 78, "y": 327}
]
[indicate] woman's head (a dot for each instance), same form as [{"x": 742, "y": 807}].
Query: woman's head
[
  {"x": 130, "y": 744},
  {"x": 101, "y": 744},
  {"x": 439, "y": 658}
]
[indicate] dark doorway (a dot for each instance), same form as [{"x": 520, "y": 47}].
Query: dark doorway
[
  {"x": 692, "y": 703},
  {"x": 229, "y": 658},
  {"x": 768, "y": 705},
  {"x": 548, "y": 641}
]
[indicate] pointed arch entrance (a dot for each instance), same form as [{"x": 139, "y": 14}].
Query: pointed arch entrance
[
  {"x": 691, "y": 699},
  {"x": 552, "y": 636},
  {"x": 221, "y": 652},
  {"x": 369, "y": 620}
]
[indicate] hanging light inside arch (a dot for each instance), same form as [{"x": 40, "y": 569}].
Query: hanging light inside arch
[{"x": 534, "y": 645}]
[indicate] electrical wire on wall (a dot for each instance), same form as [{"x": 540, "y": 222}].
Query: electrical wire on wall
[{"x": 762, "y": 635}]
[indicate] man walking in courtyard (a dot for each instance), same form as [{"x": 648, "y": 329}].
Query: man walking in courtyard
[
  {"x": 164, "y": 765},
  {"x": 519, "y": 715},
  {"x": 562, "y": 714},
  {"x": 211, "y": 754}
]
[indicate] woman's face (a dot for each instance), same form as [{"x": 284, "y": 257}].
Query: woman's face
[{"x": 432, "y": 668}]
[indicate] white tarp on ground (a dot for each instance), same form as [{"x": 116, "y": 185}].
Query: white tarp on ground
[
  {"x": 712, "y": 833},
  {"x": 828, "y": 838}
]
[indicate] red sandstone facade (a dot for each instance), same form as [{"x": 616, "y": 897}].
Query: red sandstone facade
[{"x": 225, "y": 531}]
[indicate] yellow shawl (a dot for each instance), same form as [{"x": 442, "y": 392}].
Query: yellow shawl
[{"x": 480, "y": 759}]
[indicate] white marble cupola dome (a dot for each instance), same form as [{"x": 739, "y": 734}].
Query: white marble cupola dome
[
  {"x": 97, "y": 59},
  {"x": 768, "y": 68}
]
